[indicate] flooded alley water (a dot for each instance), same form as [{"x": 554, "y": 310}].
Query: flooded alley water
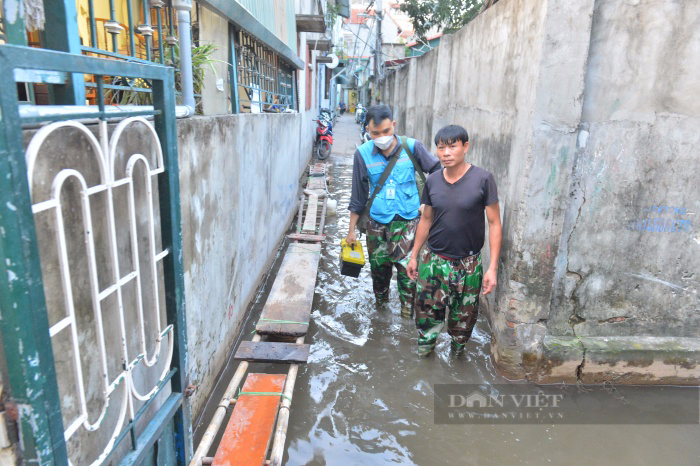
[{"x": 366, "y": 397}]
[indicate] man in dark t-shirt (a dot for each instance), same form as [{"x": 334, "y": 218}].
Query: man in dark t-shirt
[{"x": 450, "y": 274}]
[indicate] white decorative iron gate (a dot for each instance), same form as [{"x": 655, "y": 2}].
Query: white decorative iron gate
[{"x": 93, "y": 321}]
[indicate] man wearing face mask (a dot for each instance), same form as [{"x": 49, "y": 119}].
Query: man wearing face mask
[{"x": 394, "y": 212}]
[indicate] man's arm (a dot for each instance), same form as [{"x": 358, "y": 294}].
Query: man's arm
[
  {"x": 493, "y": 215},
  {"x": 360, "y": 188},
  {"x": 351, "y": 237},
  {"x": 428, "y": 162},
  {"x": 422, "y": 231},
  {"x": 359, "y": 194}
]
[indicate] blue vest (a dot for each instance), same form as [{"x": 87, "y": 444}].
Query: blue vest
[{"x": 402, "y": 180}]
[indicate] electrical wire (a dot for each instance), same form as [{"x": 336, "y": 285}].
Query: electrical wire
[
  {"x": 383, "y": 54},
  {"x": 365, "y": 47},
  {"x": 354, "y": 49},
  {"x": 386, "y": 55}
]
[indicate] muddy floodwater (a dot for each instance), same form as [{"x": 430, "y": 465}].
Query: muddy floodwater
[{"x": 366, "y": 397}]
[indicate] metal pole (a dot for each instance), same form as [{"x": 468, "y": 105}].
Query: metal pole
[
  {"x": 62, "y": 33},
  {"x": 183, "y": 8},
  {"x": 113, "y": 17},
  {"x": 160, "y": 36},
  {"x": 132, "y": 37},
  {"x": 379, "y": 12},
  {"x": 233, "y": 69}
]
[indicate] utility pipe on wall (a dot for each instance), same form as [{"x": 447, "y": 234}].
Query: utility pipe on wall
[{"x": 184, "y": 30}]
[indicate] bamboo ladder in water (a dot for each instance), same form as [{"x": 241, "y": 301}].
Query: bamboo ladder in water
[{"x": 265, "y": 399}]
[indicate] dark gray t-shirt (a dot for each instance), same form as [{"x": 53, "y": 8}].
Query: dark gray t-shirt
[{"x": 458, "y": 211}]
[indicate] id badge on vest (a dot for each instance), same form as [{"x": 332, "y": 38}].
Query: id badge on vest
[{"x": 391, "y": 190}]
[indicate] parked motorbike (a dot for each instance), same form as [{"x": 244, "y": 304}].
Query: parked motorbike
[
  {"x": 324, "y": 135},
  {"x": 360, "y": 113},
  {"x": 327, "y": 115},
  {"x": 364, "y": 134}
]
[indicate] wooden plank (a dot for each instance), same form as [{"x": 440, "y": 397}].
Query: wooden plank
[
  {"x": 292, "y": 293},
  {"x": 324, "y": 45},
  {"x": 316, "y": 182},
  {"x": 265, "y": 351},
  {"x": 311, "y": 23},
  {"x": 311, "y": 212},
  {"x": 317, "y": 169},
  {"x": 249, "y": 430},
  {"x": 305, "y": 237}
]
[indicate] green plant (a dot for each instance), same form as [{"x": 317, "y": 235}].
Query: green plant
[
  {"x": 129, "y": 97},
  {"x": 341, "y": 52},
  {"x": 447, "y": 15},
  {"x": 201, "y": 59},
  {"x": 134, "y": 96},
  {"x": 333, "y": 10}
]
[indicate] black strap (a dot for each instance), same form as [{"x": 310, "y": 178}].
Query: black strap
[{"x": 416, "y": 165}]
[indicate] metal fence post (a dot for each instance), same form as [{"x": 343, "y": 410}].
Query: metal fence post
[
  {"x": 233, "y": 69},
  {"x": 25, "y": 324},
  {"x": 15, "y": 32},
  {"x": 62, "y": 34},
  {"x": 169, "y": 195}
]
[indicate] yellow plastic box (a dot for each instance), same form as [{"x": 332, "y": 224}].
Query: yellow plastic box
[{"x": 352, "y": 258}]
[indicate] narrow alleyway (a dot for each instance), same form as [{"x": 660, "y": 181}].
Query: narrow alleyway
[{"x": 365, "y": 397}]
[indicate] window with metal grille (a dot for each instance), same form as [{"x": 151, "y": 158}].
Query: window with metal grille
[
  {"x": 265, "y": 82},
  {"x": 138, "y": 31}
]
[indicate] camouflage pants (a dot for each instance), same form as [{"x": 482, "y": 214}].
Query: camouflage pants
[
  {"x": 446, "y": 288},
  {"x": 389, "y": 245}
]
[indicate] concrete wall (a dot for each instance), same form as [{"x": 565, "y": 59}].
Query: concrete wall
[
  {"x": 213, "y": 29},
  {"x": 307, "y": 7},
  {"x": 239, "y": 181},
  {"x": 393, "y": 51},
  {"x": 583, "y": 112}
]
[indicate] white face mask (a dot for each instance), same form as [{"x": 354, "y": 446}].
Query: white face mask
[{"x": 383, "y": 142}]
